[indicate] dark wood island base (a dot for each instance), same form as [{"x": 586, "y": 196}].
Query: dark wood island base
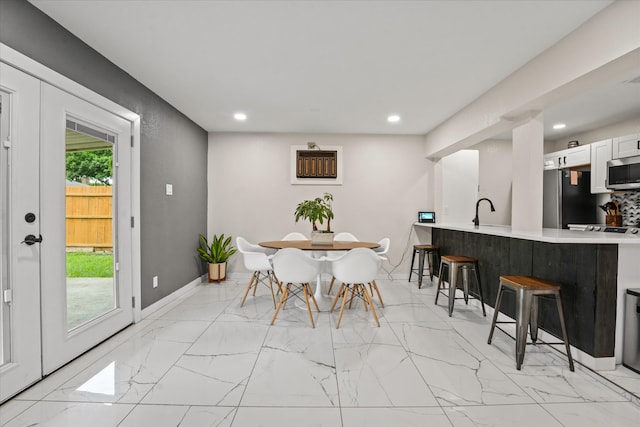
[{"x": 587, "y": 273}]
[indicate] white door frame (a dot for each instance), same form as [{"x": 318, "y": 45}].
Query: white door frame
[{"x": 16, "y": 59}]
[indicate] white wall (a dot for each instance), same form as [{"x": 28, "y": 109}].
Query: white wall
[
  {"x": 385, "y": 185},
  {"x": 484, "y": 171},
  {"x": 495, "y": 180},
  {"x": 459, "y": 172}
]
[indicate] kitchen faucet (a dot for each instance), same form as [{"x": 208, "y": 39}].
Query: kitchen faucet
[{"x": 476, "y": 220}]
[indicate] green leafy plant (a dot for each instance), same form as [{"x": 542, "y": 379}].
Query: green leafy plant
[
  {"x": 96, "y": 166},
  {"x": 220, "y": 249},
  {"x": 316, "y": 211}
]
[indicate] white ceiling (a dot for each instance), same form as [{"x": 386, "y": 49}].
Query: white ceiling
[{"x": 327, "y": 66}]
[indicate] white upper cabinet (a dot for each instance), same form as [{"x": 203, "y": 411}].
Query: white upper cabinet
[
  {"x": 626, "y": 146},
  {"x": 600, "y": 153},
  {"x": 552, "y": 160},
  {"x": 576, "y": 156}
]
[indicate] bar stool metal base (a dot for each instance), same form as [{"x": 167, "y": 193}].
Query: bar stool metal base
[
  {"x": 422, "y": 251},
  {"x": 526, "y": 288},
  {"x": 453, "y": 264}
]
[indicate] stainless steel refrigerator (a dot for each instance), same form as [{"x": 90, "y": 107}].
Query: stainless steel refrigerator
[{"x": 566, "y": 202}]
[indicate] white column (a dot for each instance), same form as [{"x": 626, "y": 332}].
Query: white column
[{"x": 528, "y": 143}]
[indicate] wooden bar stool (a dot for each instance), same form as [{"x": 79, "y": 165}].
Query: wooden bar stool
[
  {"x": 454, "y": 263},
  {"x": 526, "y": 288},
  {"x": 423, "y": 250}
]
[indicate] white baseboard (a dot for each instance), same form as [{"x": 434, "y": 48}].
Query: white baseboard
[{"x": 176, "y": 295}]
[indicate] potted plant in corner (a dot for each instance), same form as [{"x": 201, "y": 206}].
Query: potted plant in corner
[
  {"x": 216, "y": 255},
  {"x": 317, "y": 211}
]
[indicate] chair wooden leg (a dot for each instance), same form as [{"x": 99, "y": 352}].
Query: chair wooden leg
[
  {"x": 275, "y": 278},
  {"x": 353, "y": 294},
  {"x": 273, "y": 297},
  {"x": 375, "y": 286},
  {"x": 305, "y": 287},
  {"x": 257, "y": 281},
  {"x": 373, "y": 309},
  {"x": 253, "y": 276},
  {"x": 283, "y": 298},
  {"x": 313, "y": 298},
  {"x": 362, "y": 289},
  {"x": 333, "y": 279},
  {"x": 344, "y": 301},
  {"x": 335, "y": 300}
]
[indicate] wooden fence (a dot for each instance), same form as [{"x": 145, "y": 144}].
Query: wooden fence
[{"x": 89, "y": 217}]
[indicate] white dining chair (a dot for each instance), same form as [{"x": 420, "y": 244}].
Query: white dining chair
[
  {"x": 355, "y": 269},
  {"x": 381, "y": 251},
  {"x": 343, "y": 236},
  {"x": 296, "y": 271},
  {"x": 295, "y": 236},
  {"x": 257, "y": 261},
  {"x": 383, "y": 248}
]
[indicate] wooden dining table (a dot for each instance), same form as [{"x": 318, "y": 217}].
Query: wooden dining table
[{"x": 305, "y": 245}]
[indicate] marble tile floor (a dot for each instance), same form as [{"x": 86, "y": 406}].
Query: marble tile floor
[{"x": 205, "y": 361}]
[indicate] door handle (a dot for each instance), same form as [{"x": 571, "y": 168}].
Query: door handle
[{"x": 31, "y": 239}]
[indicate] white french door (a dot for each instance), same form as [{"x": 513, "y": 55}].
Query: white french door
[
  {"x": 66, "y": 272},
  {"x": 79, "y": 312},
  {"x": 20, "y": 363}
]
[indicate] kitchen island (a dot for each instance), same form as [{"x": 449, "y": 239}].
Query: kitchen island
[{"x": 594, "y": 269}]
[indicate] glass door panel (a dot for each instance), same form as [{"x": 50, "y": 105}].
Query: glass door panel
[{"x": 91, "y": 290}]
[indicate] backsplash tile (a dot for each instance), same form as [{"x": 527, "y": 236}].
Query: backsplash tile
[{"x": 629, "y": 207}]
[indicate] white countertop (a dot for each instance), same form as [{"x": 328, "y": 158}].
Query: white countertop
[{"x": 549, "y": 235}]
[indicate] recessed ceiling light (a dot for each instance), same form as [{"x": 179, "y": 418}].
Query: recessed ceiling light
[
  {"x": 241, "y": 117},
  {"x": 394, "y": 118},
  {"x": 559, "y": 126}
]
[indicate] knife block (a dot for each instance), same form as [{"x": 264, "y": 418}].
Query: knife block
[{"x": 613, "y": 220}]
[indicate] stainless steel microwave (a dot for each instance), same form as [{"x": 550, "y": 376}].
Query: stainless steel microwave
[{"x": 623, "y": 174}]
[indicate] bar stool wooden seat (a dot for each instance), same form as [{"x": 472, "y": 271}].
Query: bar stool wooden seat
[
  {"x": 454, "y": 263},
  {"x": 526, "y": 288},
  {"x": 422, "y": 251}
]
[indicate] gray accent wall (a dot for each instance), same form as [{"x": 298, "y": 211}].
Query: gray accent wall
[{"x": 173, "y": 148}]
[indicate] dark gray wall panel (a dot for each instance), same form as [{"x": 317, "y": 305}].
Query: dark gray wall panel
[{"x": 173, "y": 148}]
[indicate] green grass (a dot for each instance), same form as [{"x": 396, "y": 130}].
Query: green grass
[{"x": 89, "y": 264}]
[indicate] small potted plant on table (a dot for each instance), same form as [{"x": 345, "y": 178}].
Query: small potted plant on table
[
  {"x": 216, "y": 255},
  {"x": 317, "y": 211}
]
